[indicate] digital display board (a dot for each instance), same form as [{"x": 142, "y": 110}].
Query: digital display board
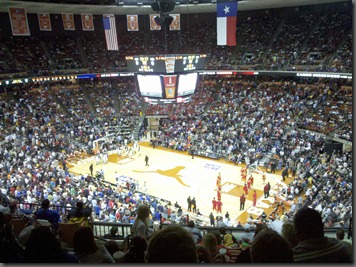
[
  {"x": 165, "y": 63},
  {"x": 150, "y": 85},
  {"x": 166, "y": 86},
  {"x": 187, "y": 83}
]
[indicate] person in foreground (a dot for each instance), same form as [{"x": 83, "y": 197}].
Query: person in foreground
[
  {"x": 172, "y": 244},
  {"x": 86, "y": 250},
  {"x": 270, "y": 247},
  {"x": 313, "y": 246},
  {"x": 43, "y": 247}
]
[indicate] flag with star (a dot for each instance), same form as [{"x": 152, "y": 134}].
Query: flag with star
[{"x": 226, "y": 23}]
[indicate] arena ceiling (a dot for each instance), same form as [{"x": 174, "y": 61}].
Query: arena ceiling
[{"x": 134, "y": 6}]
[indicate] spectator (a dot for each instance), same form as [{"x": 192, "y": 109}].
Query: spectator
[
  {"x": 172, "y": 244},
  {"x": 10, "y": 250},
  {"x": 44, "y": 213},
  {"x": 141, "y": 224},
  {"x": 203, "y": 254},
  {"x": 313, "y": 247},
  {"x": 4, "y": 209},
  {"x": 218, "y": 237},
  {"x": 349, "y": 230},
  {"x": 340, "y": 235},
  {"x": 269, "y": 247},
  {"x": 211, "y": 244},
  {"x": 221, "y": 257},
  {"x": 247, "y": 235},
  {"x": 288, "y": 233},
  {"x": 81, "y": 214},
  {"x": 245, "y": 255},
  {"x": 219, "y": 222},
  {"x": 137, "y": 249},
  {"x": 17, "y": 214},
  {"x": 196, "y": 234},
  {"x": 43, "y": 247},
  {"x": 113, "y": 233},
  {"x": 228, "y": 241},
  {"x": 86, "y": 250},
  {"x": 112, "y": 246}
]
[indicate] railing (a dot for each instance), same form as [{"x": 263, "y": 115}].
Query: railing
[{"x": 100, "y": 229}]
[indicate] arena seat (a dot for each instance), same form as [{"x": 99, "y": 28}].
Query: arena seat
[{"x": 66, "y": 232}]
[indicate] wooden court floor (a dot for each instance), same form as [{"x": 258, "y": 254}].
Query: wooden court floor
[{"x": 174, "y": 176}]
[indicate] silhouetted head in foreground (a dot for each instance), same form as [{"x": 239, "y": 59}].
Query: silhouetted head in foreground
[
  {"x": 308, "y": 224},
  {"x": 172, "y": 244},
  {"x": 270, "y": 247}
]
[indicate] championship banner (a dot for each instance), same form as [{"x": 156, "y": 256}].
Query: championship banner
[
  {"x": 153, "y": 25},
  {"x": 170, "y": 82},
  {"x": 18, "y": 20},
  {"x": 170, "y": 63},
  {"x": 175, "y": 25},
  {"x": 44, "y": 21},
  {"x": 68, "y": 21},
  {"x": 87, "y": 22},
  {"x": 132, "y": 22}
]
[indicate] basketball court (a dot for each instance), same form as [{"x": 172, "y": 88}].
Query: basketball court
[{"x": 174, "y": 176}]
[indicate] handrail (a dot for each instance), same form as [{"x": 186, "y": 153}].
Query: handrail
[
  {"x": 125, "y": 226},
  {"x": 101, "y": 229},
  {"x": 124, "y": 229}
]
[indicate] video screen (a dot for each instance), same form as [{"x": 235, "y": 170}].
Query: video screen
[
  {"x": 187, "y": 84},
  {"x": 149, "y": 85}
]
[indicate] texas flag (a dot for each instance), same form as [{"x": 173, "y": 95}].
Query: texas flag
[{"x": 226, "y": 23}]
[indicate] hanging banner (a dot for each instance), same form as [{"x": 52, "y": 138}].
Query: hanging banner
[
  {"x": 170, "y": 63},
  {"x": 175, "y": 25},
  {"x": 110, "y": 32},
  {"x": 153, "y": 25},
  {"x": 226, "y": 22},
  {"x": 44, "y": 21},
  {"x": 87, "y": 22},
  {"x": 132, "y": 22},
  {"x": 68, "y": 21},
  {"x": 18, "y": 20}
]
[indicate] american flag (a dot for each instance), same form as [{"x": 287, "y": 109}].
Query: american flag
[{"x": 110, "y": 32}]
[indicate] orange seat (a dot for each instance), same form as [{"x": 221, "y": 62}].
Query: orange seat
[
  {"x": 66, "y": 232},
  {"x": 17, "y": 226}
]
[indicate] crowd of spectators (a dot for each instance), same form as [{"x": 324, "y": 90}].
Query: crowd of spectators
[
  {"x": 45, "y": 125},
  {"x": 325, "y": 37},
  {"x": 285, "y": 48},
  {"x": 272, "y": 41},
  {"x": 230, "y": 118},
  {"x": 66, "y": 53},
  {"x": 176, "y": 244}
]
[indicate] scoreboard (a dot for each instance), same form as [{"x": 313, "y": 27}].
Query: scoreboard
[
  {"x": 167, "y": 86},
  {"x": 165, "y": 63}
]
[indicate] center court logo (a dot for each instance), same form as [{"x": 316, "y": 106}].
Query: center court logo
[{"x": 169, "y": 173}]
